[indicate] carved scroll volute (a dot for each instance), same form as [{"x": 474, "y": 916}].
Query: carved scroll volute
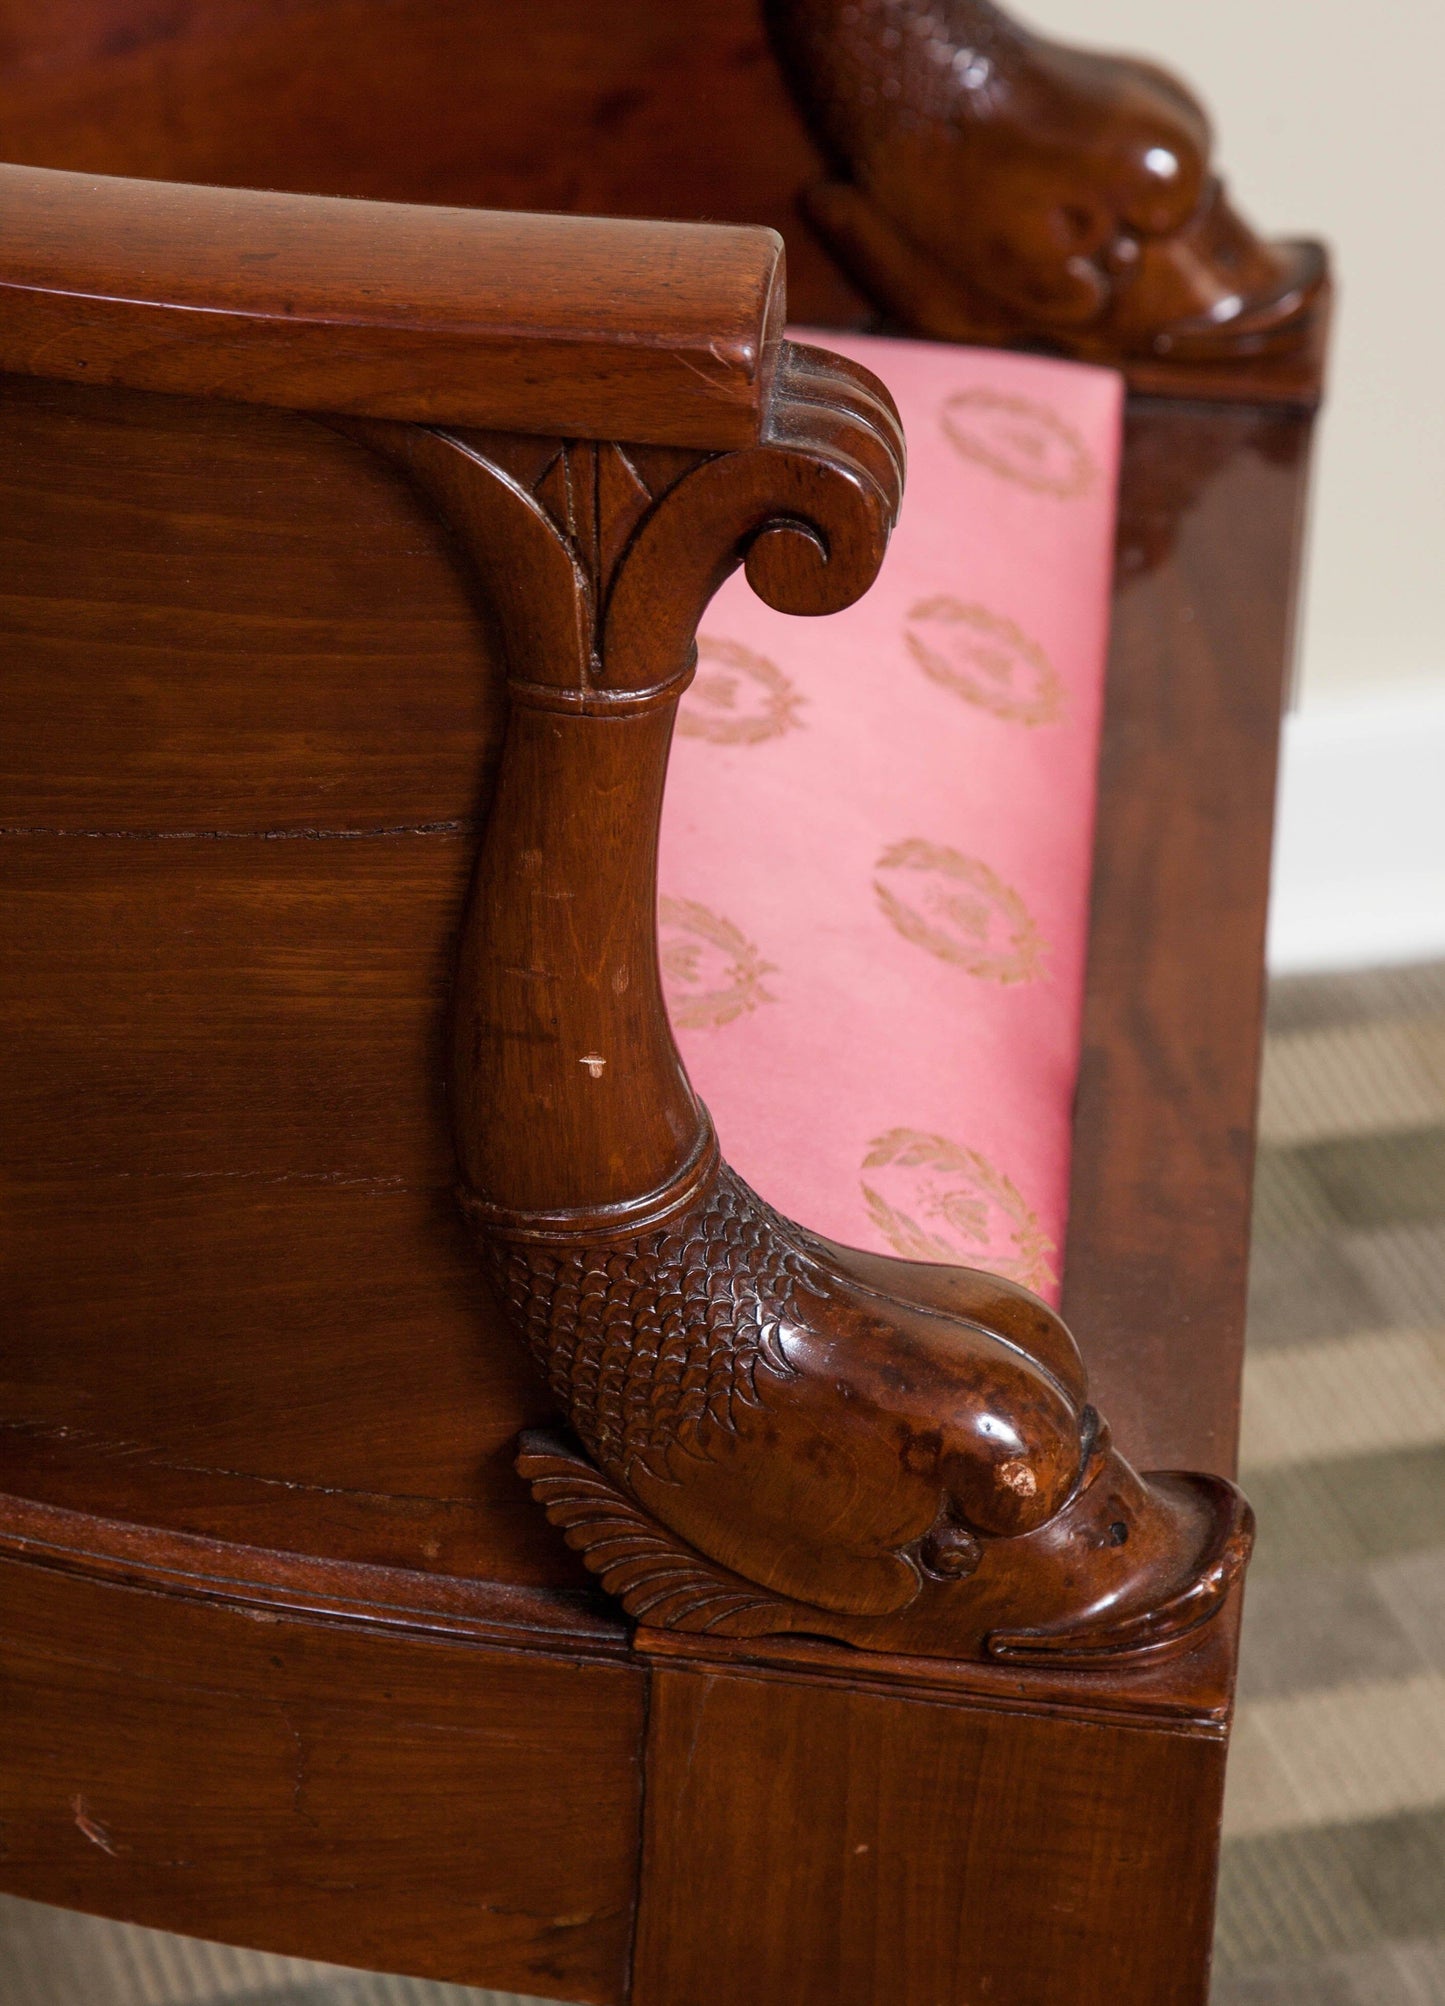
[
  {"x": 992, "y": 185},
  {"x": 775, "y": 1433},
  {"x": 564, "y": 1077},
  {"x": 568, "y": 1092}
]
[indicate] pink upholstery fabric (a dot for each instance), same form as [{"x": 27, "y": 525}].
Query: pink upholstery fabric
[{"x": 877, "y": 843}]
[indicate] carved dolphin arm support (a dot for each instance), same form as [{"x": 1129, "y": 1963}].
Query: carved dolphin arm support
[
  {"x": 991, "y": 185},
  {"x": 776, "y": 1434}
]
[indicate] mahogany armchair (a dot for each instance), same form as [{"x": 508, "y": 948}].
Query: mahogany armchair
[{"x": 773, "y": 1621}]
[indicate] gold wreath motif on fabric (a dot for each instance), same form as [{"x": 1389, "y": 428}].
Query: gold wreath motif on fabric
[
  {"x": 738, "y": 697},
  {"x": 985, "y": 658},
  {"x": 984, "y": 1218},
  {"x": 711, "y": 971},
  {"x": 1020, "y": 440},
  {"x": 962, "y": 907}
]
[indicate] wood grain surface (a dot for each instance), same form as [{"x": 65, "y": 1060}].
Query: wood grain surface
[
  {"x": 290, "y": 1657},
  {"x": 1158, "y": 1244},
  {"x": 855, "y": 1849},
  {"x": 248, "y": 717},
  {"x": 622, "y": 108},
  {"x": 397, "y": 1802},
  {"x": 218, "y": 621},
  {"x": 1027, "y": 210},
  {"x": 600, "y": 328}
]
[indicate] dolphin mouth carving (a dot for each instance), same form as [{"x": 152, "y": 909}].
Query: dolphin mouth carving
[
  {"x": 1163, "y": 1626},
  {"x": 666, "y": 1584},
  {"x": 834, "y": 1471}
]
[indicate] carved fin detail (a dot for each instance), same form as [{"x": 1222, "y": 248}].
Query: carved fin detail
[{"x": 656, "y": 1577}]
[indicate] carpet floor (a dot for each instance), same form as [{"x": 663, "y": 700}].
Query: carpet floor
[{"x": 1333, "y": 1883}]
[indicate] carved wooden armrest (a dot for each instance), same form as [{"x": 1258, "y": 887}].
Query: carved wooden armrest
[
  {"x": 990, "y": 185},
  {"x": 770, "y": 1433},
  {"x": 598, "y": 327}
]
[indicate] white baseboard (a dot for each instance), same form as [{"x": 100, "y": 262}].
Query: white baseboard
[{"x": 1359, "y": 859}]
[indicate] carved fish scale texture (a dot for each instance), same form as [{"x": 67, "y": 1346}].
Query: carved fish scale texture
[
  {"x": 645, "y": 1342},
  {"x": 905, "y": 63}
]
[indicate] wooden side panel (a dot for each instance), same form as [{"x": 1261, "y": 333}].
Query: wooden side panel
[
  {"x": 836, "y": 1848},
  {"x": 216, "y": 619},
  {"x": 247, "y": 721},
  {"x": 230, "y": 1245},
  {"x": 1154, "y": 1279},
  {"x": 245, "y": 1008},
  {"x": 391, "y": 1802},
  {"x": 235, "y": 1359}
]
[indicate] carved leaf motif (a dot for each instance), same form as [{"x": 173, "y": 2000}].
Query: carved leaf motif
[
  {"x": 553, "y": 488},
  {"x": 656, "y": 1576},
  {"x": 623, "y": 499}
]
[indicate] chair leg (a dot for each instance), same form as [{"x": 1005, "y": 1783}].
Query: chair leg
[{"x": 862, "y": 1844}]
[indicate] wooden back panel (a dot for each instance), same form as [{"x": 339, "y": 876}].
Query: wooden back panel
[
  {"x": 1028, "y": 212},
  {"x": 548, "y": 105},
  {"x": 592, "y": 109}
]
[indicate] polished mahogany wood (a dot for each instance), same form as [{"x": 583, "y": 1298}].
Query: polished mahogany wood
[
  {"x": 622, "y": 107},
  {"x": 248, "y": 717},
  {"x": 872, "y": 1846},
  {"x": 1210, "y": 530},
  {"x": 178, "y": 659},
  {"x": 663, "y": 333},
  {"x": 994, "y": 186},
  {"x": 322, "y": 1787},
  {"x": 225, "y": 1153},
  {"x": 881, "y": 1845}
]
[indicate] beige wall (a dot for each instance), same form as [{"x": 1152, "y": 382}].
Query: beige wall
[{"x": 1329, "y": 121}]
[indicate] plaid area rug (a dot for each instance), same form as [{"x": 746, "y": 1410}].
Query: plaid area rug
[{"x": 1333, "y": 1886}]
